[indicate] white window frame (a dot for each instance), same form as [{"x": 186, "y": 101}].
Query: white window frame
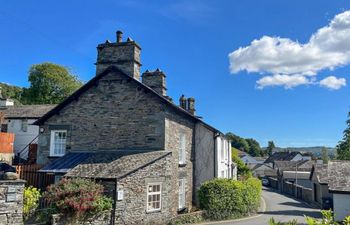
[
  {"x": 52, "y": 143},
  {"x": 222, "y": 150},
  {"x": 182, "y": 149},
  {"x": 182, "y": 193},
  {"x": 148, "y": 209}
]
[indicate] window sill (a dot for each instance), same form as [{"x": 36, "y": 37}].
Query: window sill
[
  {"x": 154, "y": 211},
  {"x": 54, "y": 156},
  {"x": 182, "y": 164}
]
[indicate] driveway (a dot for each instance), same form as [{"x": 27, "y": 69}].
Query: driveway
[{"x": 278, "y": 206}]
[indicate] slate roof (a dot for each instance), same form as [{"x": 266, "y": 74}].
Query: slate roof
[
  {"x": 281, "y": 156},
  {"x": 103, "y": 164},
  {"x": 339, "y": 176},
  {"x": 93, "y": 82},
  {"x": 282, "y": 166},
  {"x": 26, "y": 111},
  {"x": 321, "y": 172}
]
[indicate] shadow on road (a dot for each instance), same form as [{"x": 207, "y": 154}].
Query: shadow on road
[
  {"x": 293, "y": 213},
  {"x": 294, "y": 204}
]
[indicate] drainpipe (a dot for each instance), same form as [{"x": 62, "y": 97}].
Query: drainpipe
[
  {"x": 114, "y": 201},
  {"x": 215, "y": 135}
]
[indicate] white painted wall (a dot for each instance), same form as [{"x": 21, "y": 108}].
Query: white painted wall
[
  {"x": 223, "y": 157},
  {"x": 22, "y": 137},
  {"x": 341, "y": 204}
]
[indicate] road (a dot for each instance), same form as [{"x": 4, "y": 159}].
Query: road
[{"x": 278, "y": 206}]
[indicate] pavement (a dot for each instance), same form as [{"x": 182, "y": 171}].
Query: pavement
[{"x": 281, "y": 207}]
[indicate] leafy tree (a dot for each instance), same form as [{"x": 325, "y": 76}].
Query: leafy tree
[
  {"x": 238, "y": 142},
  {"x": 343, "y": 147},
  {"x": 49, "y": 84},
  {"x": 12, "y": 92},
  {"x": 325, "y": 156},
  {"x": 270, "y": 147},
  {"x": 254, "y": 148}
]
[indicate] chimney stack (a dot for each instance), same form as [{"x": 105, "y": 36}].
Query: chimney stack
[
  {"x": 183, "y": 101},
  {"x": 155, "y": 80},
  {"x": 119, "y": 36},
  {"x": 191, "y": 105},
  {"x": 123, "y": 55}
]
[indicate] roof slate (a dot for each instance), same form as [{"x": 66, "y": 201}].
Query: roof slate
[
  {"x": 321, "y": 171},
  {"x": 26, "y": 111},
  {"x": 281, "y": 156},
  {"x": 339, "y": 176},
  {"x": 103, "y": 164}
]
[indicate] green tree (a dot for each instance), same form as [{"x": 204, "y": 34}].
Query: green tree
[
  {"x": 49, "y": 84},
  {"x": 343, "y": 147},
  {"x": 12, "y": 92},
  {"x": 270, "y": 147},
  {"x": 325, "y": 156},
  {"x": 238, "y": 142},
  {"x": 254, "y": 147}
]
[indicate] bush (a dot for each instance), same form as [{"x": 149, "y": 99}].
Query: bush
[
  {"x": 31, "y": 197},
  {"x": 226, "y": 199},
  {"x": 78, "y": 197}
]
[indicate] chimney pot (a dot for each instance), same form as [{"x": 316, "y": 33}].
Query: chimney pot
[
  {"x": 119, "y": 36},
  {"x": 183, "y": 101},
  {"x": 190, "y": 105}
]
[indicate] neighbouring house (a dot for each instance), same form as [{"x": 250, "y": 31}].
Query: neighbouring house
[
  {"x": 297, "y": 172},
  {"x": 263, "y": 170},
  {"x": 319, "y": 178},
  {"x": 19, "y": 119},
  {"x": 286, "y": 156},
  {"x": 339, "y": 187},
  {"x": 150, "y": 153},
  {"x": 248, "y": 159}
]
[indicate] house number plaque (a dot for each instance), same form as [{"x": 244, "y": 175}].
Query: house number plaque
[{"x": 11, "y": 197}]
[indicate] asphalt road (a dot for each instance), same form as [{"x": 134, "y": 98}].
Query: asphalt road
[{"x": 282, "y": 208}]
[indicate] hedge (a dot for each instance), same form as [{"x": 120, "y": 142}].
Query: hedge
[{"x": 228, "y": 199}]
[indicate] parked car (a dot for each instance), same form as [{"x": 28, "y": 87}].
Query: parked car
[{"x": 265, "y": 181}]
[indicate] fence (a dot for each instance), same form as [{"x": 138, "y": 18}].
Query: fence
[{"x": 33, "y": 177}]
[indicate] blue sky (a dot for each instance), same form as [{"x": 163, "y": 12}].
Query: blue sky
[{"x": 282, "y": 87}]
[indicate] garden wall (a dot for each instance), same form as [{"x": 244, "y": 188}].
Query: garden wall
[
  {"x": 11, "y": 202},
  {"x": 100, "y": 219}
]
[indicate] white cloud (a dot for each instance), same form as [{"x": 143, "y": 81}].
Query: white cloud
[
  {"x": 327, "y": 48},
  {"x": 287, "y": 81},
  {"x": 333, "y": 83}
]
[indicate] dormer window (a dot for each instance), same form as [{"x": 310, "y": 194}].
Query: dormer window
[{"x": 58, "y": 142}]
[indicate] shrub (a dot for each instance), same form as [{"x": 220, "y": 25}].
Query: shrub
[
  {"x": 78, "y": 196},
  {"x": 225, "y": 198},
  {"x": 31, "y": 197}
]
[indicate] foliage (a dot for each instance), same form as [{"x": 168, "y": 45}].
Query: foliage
[
  {"x": 49, "y": 84},
  {"x": 343, "y": 147},
  {"x": 327, "y": 219},
  {"x": 12, "y": 92},
  {"x": 242, "y": 169},
  {"x": 78, "y": 196},
  {"x": 226, "y": 198},
  {"x": 248, "y": 145},
  {"x": 188, "y": 218},
  {"x": 270, "y": 147},
  {"x": 31, "y": 196},
  {"x": 273, "y": 222},
  {"x": 325, "y": 157}
]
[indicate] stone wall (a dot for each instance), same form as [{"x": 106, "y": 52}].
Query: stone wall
[
  {"x": 176, "y": 125},
  {"x": 11, "y": 202},
  {"x": 99, "y": 219},
  {"x": 115, "y": 114},
  {"x": 132, "y": 209}
]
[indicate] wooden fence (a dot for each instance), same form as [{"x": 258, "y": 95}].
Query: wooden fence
[{"x": 33, "y": 177}]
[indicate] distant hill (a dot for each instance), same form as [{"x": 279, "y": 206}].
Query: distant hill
[{"x": 316, "y": 151}]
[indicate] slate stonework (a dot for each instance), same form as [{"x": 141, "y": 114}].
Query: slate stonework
[
  {"x": 115, "y": 114},
  {"x": 11, "y": 202}
]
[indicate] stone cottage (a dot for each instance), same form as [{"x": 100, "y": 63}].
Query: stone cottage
[{"x": 151, "y": 154}]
